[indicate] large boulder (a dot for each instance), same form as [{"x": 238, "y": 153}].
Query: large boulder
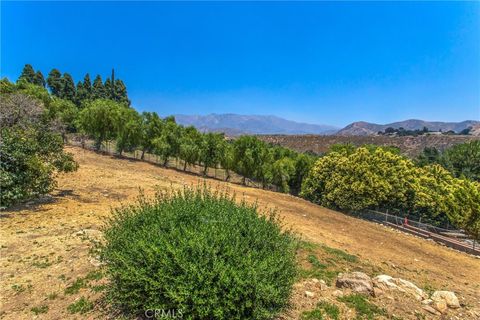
[
  {"x": 385, "y": 283},
  {"x": 356, "y": 281},
  {"x": 448, "y": 297}
]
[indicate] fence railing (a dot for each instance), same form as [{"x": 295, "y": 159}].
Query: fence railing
[{"x": 454, "y": 238}]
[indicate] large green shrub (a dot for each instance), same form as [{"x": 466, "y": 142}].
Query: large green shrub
[
  {"x": 31, "y": 151},
  {"x": 201, "y": 253}
]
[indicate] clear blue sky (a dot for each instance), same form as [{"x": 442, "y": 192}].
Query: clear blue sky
[{"x": 319, "y": 62}]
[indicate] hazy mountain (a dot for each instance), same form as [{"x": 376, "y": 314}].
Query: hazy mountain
[
  {"x": 362, "y": 128},
  {"x": 236, "y": 124}
]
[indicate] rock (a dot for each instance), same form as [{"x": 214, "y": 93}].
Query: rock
[
  {"x": 377, "y": 292},
  {"x": 386, "y": 282},
  {"x": 448, "y": 297},
  {"x": 427, "y": 302},
  {"x": 337, "y": 293},
  {"x": 440, "y": 305},
  {"x": 357, "y": 281},
  {"x": 431, "y": 310},
  {"x": 309, "y": 294}
]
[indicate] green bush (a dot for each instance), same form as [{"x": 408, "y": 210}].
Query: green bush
[
  {"x": 201, "y": 253},
  {"x": 31, "y": 151}
]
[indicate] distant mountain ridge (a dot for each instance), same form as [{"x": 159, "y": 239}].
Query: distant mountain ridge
[
  {"x": 236, "y": 124},
  {"x": 362, "y": 128}
]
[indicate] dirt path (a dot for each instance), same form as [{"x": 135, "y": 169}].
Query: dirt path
[{"x": 44, "y": 246}]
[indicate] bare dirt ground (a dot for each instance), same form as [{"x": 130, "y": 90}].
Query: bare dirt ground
[{"x": 46, "y": 265}]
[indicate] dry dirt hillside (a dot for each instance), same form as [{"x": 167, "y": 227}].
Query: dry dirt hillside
[{"x": 46, "y": 268}]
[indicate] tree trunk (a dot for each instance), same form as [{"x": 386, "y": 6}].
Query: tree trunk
[
  {"x": 185, "y": 166},
  {"x": 205, "y": 170},
  {"x": 143, "y": 154},
  {"x": 165, "y": 161},
  {"x": 228, "y": 175},
  {"x": 244, "y": 181}
]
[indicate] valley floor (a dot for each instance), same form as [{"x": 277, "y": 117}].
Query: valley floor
[{"x": 46, "y": 265}]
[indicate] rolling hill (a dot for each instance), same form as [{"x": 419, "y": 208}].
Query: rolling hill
[
  {"x": 236, "y": 124},
  {"x": 362, "y": 128}
]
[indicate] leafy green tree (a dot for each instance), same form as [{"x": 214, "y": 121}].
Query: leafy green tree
[
  {"x": 360, "y": 180},
  {"x": 68, "y": 88},
  {"x": 190, "y": 143},
  {"x": 31, "y": 152},
  {"x": 152, "y": 127},
  {"x": 282, "y": 172},
  {"x": 168, "y": 144},
  {"x": 463, "y": 160},
  {"x": 65, "y": 111},
  {"x": 100, "y": 119},
  {"x": 227, "y": 160},
  {"x": 39, "y": 80},
  {"x": 98, "y": 90},
  {"x": 55, "y": 83},
  {"x": 209, "y": 151},
  {"x": 464, "y": 212},
  {"x": 129, "y": 130},
  {"x": 429, "y": 155},
  {"x": 247, "y": 156},
  {"x": 34, "y": 91},
  {"x": 303, "y": 164},
  {"x": 28, "y": 74}
]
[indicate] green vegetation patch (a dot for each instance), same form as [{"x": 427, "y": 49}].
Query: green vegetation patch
[
  {"x": 39, "y": 310},
  {"x": 364, "y": 309},
  {"x": 199, "y": 252},
  {"x": 323, "y": 310},
  {"x": 82, "y": 306}
]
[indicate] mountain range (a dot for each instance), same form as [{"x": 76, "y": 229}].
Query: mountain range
[
  {"x": 236, "y": 124},
  {"x": 362, "y": 128}
]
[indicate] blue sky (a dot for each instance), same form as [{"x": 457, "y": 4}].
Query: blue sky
[{"x": 319, "y": 62}]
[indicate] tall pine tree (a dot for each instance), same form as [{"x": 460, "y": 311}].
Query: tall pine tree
[
  {"x": 28, "y": 74},
  {"x": 54, "y": 82},
  {"x": 68, "y": 91},
  {"x": 121, "y": 92},
  {"x": 82, "y": 94},
  {"x": 38, "y": 79},
  {"x": 98, "y": 90},
  {"x": 87, "y": 85},
  {"x": 108, "y": 89}
]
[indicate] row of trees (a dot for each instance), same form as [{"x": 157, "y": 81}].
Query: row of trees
[
  {"x": 108, "y": 121},
  {"x": 63, "y": 86},
  {"x": 377, "y": 178}
]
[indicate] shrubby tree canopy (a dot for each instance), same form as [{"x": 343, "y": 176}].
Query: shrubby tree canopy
[
  {"x": 31, "y": 152},
  {"x": 362, "y": 179},
  {"x": 100, "y": 119}
]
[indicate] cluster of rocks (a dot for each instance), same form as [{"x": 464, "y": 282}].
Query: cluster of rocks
[{"x": 438, "y": 303}]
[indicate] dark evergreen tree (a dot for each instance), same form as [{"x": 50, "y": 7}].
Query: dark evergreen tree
[
  {"x": 121, "y": 92},
  {"x": 28, "y": 74},
  {"x": 55, "y": 83},
  {"x": 68, "y": 90},
  {"x": 38, "y": 79},
  {"x": 82, "y": 94},
  {"x": 109, "y": 89},
  {"x": 87, "y": 85},
  {"x": 98, "y": 90}
]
